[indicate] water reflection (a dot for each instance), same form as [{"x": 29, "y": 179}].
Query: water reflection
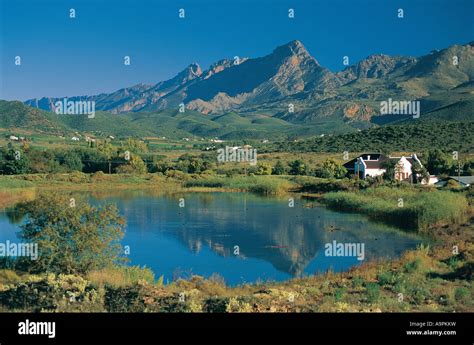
[{"x": 274, "y": 241}]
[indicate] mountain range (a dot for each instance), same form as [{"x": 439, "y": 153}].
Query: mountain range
[{"x": 234, "y": 95}]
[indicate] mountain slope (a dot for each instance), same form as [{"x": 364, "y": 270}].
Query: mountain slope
[
  {"x": 15, "y": 114},
  {"x": 443, "y": 82}
]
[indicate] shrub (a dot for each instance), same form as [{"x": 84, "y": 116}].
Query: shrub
[
  {"x": 263, "y": 169},
  {"x": 462, "y": 295},
  {"x": 52, "y": 293},
  {"x": 124, "y": 299},
  {"x": 238, "y": 305},
  {"x": 215, "y": 305},
  {"x": 412, "y": 266},
  {"x": 279, "y": 169},
  {"x": 71, "y": 239},
  {"x": 387, "y": 278},
  {"x": 358, "y": 282},
  {"x": 134, "y": 166},
  {"x": 373, "y": 292},
  {"x": 339, "y": 294},
  {"x": 418, "y": 294}
]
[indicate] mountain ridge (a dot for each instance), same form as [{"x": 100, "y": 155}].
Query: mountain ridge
[{"x": 290, "y": 75}]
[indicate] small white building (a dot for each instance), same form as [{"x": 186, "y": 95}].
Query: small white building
[
  {"x": 12, "y": 137},
  {"x": 75, "y": 139}
]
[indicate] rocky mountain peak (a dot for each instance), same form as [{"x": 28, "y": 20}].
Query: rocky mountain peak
[
  {"x": 192, "y": 71},
  {"x": 374, "y": 66},
  {"x": 218, "y": 66},
  {"x": 293, "y": 49}
]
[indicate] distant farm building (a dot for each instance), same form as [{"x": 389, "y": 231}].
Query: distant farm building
[{"x": 463, "y": 181}]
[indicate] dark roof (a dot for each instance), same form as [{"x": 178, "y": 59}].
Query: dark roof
[
  {"x": 374, "y": 163},
  {"x": 461, "y": 179}
]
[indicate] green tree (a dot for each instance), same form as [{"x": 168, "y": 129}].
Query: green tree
[
  {"x": 437, "y": 162},
  {"x": 93, "y": 160},
  {"x": 331, "y": 168},
  {"x": 298, "y": 167},
  {"x": 14, "y": 162},
  {"x": 419, "y": 173},
  {"x": 135, "y": 146},
  {"x": 134, "y": 166},
  {"x": 72, "y": 236},
  {"x": 389, "y": 166},
  {"x": 263, "y": 169},
  {"x": 71, "y": 160},
  {"x": 108, "y": 151},
  {"x": 43, "y": 161},
  {"x": 279, "y": 168}
]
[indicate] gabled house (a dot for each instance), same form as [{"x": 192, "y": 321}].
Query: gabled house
[
  {"x": 403, "y": 167},
  {"x": 373, "y": 164},
  {"x": 369, "y": 164}
]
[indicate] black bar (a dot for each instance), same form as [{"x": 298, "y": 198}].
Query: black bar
[{"x": 321, "y": 328}]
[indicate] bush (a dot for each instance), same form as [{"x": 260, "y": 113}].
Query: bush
[
  {"x": 418, "y": 294},
  {"x": 412, "y": 266},
  {"x": 71, "y": 238},
  {"x": 387, "y": 278},
  {"x": 134, "y": 166},
  {"x": 52, "y": 293},
  {"x": 124, "y": 299},
  {"x": 263, "y": 169},
  {"x": 215, "y": 305},
  {"x": 462, "y": 295},
  {"x": 279, "y": 169},
  {"x": 373, "y": 292}
]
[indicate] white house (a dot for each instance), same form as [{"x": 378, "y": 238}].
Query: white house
[
  {"x": 12, "y": 137},
  {"x": 75, "y": 139},
  {"x": 372, "y": 164},
  {"x": 403, "y": 169}
]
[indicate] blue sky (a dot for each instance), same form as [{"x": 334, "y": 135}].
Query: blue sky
[{"x": 66, "y": 57}]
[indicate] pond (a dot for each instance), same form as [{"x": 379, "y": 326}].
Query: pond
[{"x": 243, "y": 237}]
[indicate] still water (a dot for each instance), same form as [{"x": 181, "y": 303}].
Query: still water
[{"x": 240, "y": 236}]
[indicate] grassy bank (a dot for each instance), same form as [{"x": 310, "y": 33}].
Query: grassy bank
[
  {"x": 406, "y": 207},
  {"x": 266, "y": 185},
  {"x": 176, "y": 181}
]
